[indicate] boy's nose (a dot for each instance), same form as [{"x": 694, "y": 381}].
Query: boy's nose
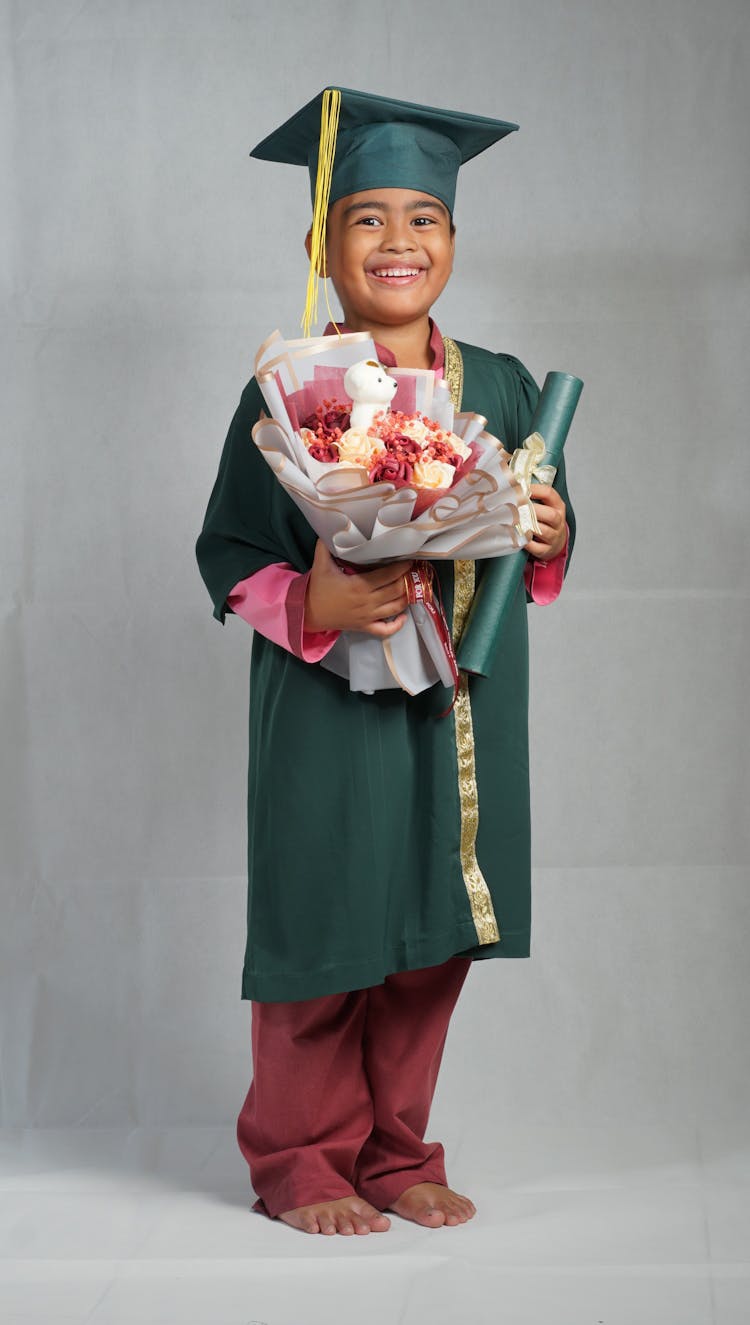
[{"x": 398, "y": 237}]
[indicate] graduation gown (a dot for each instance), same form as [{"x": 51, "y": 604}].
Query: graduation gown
[{"x": 382, "y": 836}]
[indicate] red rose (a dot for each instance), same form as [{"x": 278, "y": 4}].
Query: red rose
[
  {"x": 336, "y": 417},
  {"x": 390, "y": 469},
  {"x": 443, "y": 451},
  {"x": 326, "y": 454},
  {"x": 328, "y": 421},
  {"x": 404, "y": 448}
]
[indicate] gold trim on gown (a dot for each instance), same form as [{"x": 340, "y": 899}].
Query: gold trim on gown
[{"x": 480, "y": 899}]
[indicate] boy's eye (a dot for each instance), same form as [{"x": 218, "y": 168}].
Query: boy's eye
[{"x": 421, "y": 221}]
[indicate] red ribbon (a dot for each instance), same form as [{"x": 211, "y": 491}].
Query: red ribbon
[{"x": 421, "y": 583}]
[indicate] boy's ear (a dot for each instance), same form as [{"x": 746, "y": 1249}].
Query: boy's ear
[{"x": 308, "y": 247}]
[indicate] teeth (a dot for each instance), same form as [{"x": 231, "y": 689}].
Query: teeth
[{"x": 397, "y": 271}]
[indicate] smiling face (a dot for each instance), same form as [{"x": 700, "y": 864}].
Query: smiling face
[{"x": 389, "y": 253}]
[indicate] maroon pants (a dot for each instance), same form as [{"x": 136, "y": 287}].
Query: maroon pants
[{"x": 342, "y": 1088}]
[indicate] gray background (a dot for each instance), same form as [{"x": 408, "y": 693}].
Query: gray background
[{"x": 144, "y": 257}]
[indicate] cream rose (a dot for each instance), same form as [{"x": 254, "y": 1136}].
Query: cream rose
[
  {"x": 356, "y": 447},
  {"x": 459, "y": 445},
  {"x": 433, "y": 474},
  {"x": 415, "y": 429}
]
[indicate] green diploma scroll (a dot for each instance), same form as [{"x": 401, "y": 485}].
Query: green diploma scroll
[{"x": 552, "y": 419}]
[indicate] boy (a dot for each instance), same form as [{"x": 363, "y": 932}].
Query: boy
[{"x": 373, "y": 879}]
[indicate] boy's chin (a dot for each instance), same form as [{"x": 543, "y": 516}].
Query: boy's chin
[{"x": 395, "y": 312}]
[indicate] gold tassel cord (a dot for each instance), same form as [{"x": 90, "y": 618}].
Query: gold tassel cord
[{"x": 329, "y": 123}]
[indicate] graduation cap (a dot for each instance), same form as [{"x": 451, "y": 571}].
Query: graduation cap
[{"x": 351, "y": 141}]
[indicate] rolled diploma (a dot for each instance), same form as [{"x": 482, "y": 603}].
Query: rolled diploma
[{"x": 479, "y": 640}]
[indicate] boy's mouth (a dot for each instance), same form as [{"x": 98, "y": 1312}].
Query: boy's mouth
[{"x": 396, "y": 276}]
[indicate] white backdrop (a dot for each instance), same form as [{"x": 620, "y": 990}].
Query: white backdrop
[{"x": 144, "y": 257}]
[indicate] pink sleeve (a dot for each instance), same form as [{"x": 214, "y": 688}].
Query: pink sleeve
[
  {"x": 273, "y": 602},
  {"x": 544, "y": 579}
]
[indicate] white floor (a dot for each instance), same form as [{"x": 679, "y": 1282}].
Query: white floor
[{"x": 610, "y": 1225}]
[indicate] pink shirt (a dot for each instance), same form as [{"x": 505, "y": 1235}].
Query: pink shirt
[{"x": 273, "y": 599}]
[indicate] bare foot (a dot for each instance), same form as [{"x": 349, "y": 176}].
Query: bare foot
[
  {"x": 432, "y": 1205},
  {"x": 349, "y": 1214}
]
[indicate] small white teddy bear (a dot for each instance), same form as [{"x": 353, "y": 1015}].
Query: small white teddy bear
[{"x": 370, "y": 389}]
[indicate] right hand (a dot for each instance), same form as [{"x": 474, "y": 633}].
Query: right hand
[{"x": 365, "y": 601}]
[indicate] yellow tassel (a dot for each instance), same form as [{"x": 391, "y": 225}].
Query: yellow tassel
[{"x": 329, "y": 122}]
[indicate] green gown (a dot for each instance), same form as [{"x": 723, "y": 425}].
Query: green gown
[{"x": 382, "y": 836}]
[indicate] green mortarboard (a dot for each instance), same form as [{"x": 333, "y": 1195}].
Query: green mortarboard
[{"x": 384, "y": 143}]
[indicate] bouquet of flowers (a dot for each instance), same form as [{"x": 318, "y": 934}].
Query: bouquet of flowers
[
  {"x": 407, "y": 450},
  {"x": 384, "y": 469}
]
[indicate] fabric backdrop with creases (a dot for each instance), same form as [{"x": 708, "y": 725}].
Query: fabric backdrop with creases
[{"x": 144, "y": 257}]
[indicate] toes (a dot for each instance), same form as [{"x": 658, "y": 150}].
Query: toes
[
  {"x": 371, "y": 1219},
  {"x": 437, "y": 1207},
  {"x": 460, "y": 1208},
  {"x": 346, "y": 1217}
]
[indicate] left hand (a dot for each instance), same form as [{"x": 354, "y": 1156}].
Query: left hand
[{"x": 549, "y": 508}]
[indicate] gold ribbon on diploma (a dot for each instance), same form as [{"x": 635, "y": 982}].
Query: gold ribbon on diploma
[{"x": 525, "y": 464}]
